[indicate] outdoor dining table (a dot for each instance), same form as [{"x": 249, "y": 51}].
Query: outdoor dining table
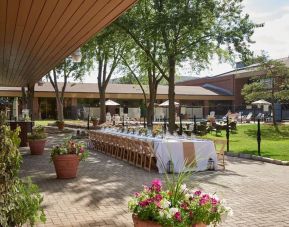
[{"x": 182, "y": 152}]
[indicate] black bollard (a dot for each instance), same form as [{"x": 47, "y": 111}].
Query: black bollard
[
  {"x": 123, "y": 121},
  {"x": 181, "y": 126},
  {"x": 195, "y": 125},
  {"x": 228, "y": 134},
  {"x": 165, "y": 125},
  {"x": 88, "y": 122},
  {"x": 259, "y": 138}
]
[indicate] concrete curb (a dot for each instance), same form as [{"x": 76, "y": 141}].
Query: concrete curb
[{"x": 257, "y": 158}]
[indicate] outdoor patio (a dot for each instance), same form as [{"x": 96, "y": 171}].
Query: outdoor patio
[{"x": 257, "y": 192}]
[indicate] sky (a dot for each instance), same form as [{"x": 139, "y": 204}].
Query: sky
[{"x": 273, "y": 38}]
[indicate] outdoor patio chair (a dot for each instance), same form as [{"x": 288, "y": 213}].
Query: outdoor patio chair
[
  {"x": 139, "y": 153},
  {"x": 220, "y": 150},
  {"x": 249, "y": 117},
  {"x": 201, "y": 130},
  {"x": 217, "y": 129},
  {"x": 233, "y": 127},
  {"x": 133, "y": 151}
]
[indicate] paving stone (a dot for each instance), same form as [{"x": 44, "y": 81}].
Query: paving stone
[{"x": 257, "y": 191}]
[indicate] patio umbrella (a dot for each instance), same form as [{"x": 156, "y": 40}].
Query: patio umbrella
[
  {"x": 261, "y": 102},
  {"x": 166, "y": 104},
  {"x": 111, "y": 103}
]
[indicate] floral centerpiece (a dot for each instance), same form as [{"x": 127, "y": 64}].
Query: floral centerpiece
[
  {"x": 66, "y": 158},
  {"x": 157, "y": 130},
  {"x": 177, "y": 206}
]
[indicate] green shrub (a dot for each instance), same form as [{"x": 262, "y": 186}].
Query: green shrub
[
  {"x": 19, "y": 199},
  {"x": 38, "y": 133}
]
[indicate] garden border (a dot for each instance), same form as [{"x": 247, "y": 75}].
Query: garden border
[{"x": 257, "y": 158}]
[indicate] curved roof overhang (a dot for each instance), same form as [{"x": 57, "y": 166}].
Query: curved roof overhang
[{"x": 35, "y": 35}]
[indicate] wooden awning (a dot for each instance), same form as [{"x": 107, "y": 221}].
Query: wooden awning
[{"x": 35, "y": 35}]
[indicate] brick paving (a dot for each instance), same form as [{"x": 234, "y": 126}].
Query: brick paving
[{"x": 258, "y": 192}]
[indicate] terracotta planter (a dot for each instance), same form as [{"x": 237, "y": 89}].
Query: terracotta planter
[
  {"x": 94, "y": 123},
  {"x": 60, "y": 126},
  {"x": 36, "y": 146},
  {"x": 199, "y": 225},
  {"x": 140, "y": 223},
  {"x": 66, "y": 166}
]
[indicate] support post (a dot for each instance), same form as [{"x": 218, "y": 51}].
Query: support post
[
  {"x": 165, "y": 125},
  {"x": 228, "y": 134},
  {"x": 259, "y": 138}
]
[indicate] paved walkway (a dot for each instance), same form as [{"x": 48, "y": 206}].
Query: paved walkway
[{"x": 258, "y": 192}]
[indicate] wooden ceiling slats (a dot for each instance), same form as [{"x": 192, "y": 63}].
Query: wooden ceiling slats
[
  {"x": 12, "y": 14},
  {"x": 35, "y": 35},
  {"x": 23, "y": 13},
  {"x": 73, "y": 30},
  {"x": 56, "y": 24},
  {"x": 3, "y": 10},
  {"x": 38, "y": 35},
  {"x": 32, "y": 19}
]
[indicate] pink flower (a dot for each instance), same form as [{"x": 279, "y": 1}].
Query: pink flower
[
  {"x": 143, "y": 203},
  {"x": 81, "y": 150},
  {"x": 158, "y": 197},
  {"x": 178, "y": 216},
  {"x": 214, "y": 201},
  {"x": 198, "y": 193},
  {"x": 136, "y": 194},
  {"x": 156, "y": 185},
  {"x": 184, "y": 206},
  {"x": 205, "y": 198}
]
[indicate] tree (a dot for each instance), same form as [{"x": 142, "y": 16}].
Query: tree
[
  {"x": 188, "y": 29},
  {"x": 272, "y": 86},
  {"x": 138, "y": 63},
  {"x": 67, "y": 69},
  {"x": 104, "y": 53}
]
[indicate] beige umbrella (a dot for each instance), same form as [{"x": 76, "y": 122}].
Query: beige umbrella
[
  {"x": 166, "y": 103},
  {"x": 111, "y": 103},
  {"x": 261, "y": 102}
]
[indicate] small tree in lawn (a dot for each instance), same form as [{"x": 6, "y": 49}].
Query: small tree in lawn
[
  {"x": 273, "y": 85},
  {"x": 104, "y": 53},
  {"x": 192, "y": 30},
  {"x": 67, "y": 69}
]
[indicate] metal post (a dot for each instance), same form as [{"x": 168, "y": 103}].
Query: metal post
[
  {"x": 144, "y": 121},
  {"x": 88, "y": 117},
  {"x": 241, "y": 118},
  {"x": 123, "y": 120},
  {"x": 195, "y": 125},
  {"x": 259, "y": 138},
  {"x": 165, "y": 125},
  {"x": 181, "y": 126},
  {"x": 228, "y": 135}
]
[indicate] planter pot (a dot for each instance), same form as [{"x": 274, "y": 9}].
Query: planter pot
[
  {"x": 60, "y": 126},
  {"x": 199, "y": 225},
  {"x": 94, "y": 123},
  {"x": 66, "y": 166},
  {"x": 36, "y": 146},
  {"x": 141, "y": 223}
]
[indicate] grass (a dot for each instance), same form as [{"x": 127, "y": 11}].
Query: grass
[
  {"x": 46, "y": 122},
  {"x": 273, "y": 144}
]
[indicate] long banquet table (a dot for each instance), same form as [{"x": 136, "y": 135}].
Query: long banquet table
[{"x": 182, "y": 152}]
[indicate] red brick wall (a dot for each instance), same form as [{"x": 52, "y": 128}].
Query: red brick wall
[
  {"x": 239, "y": 84},
  {"x": 226, "y": 82}
]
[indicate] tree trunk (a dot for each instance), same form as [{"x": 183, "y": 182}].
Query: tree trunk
[
  {"x": 102, "y": 106},
  {"x": 273, "y": 112},
  {"x": 59, "y": 104},
  {"x": 171, "y": 93},
  {"x": 30, "y": 100}
]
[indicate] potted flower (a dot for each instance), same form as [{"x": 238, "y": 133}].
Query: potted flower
[
  {"x": 94, "y": 121},
  {"x": 36, "y": 140},
  {"x": 176, "y": 206},
  {"x": 66, "y": 158},
  {"x": 60, "y": 125}
]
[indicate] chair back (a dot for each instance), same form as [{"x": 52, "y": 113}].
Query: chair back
[{"x": 220, "y": 146}]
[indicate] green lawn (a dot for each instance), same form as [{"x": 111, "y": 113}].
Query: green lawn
[
  {"x": 46, "y": 122},
  {"x": 274, "y": 145}
]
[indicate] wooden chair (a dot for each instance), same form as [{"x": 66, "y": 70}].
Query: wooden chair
[
  {"x": 220, "y": 150},
  {"x": 139, "y": 153},
  {"x": 148, "y": 155},
  {"x": 133, "y": 151}
]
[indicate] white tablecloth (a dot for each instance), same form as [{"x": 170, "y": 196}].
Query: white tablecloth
[{"x": 171, "y": 149}]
